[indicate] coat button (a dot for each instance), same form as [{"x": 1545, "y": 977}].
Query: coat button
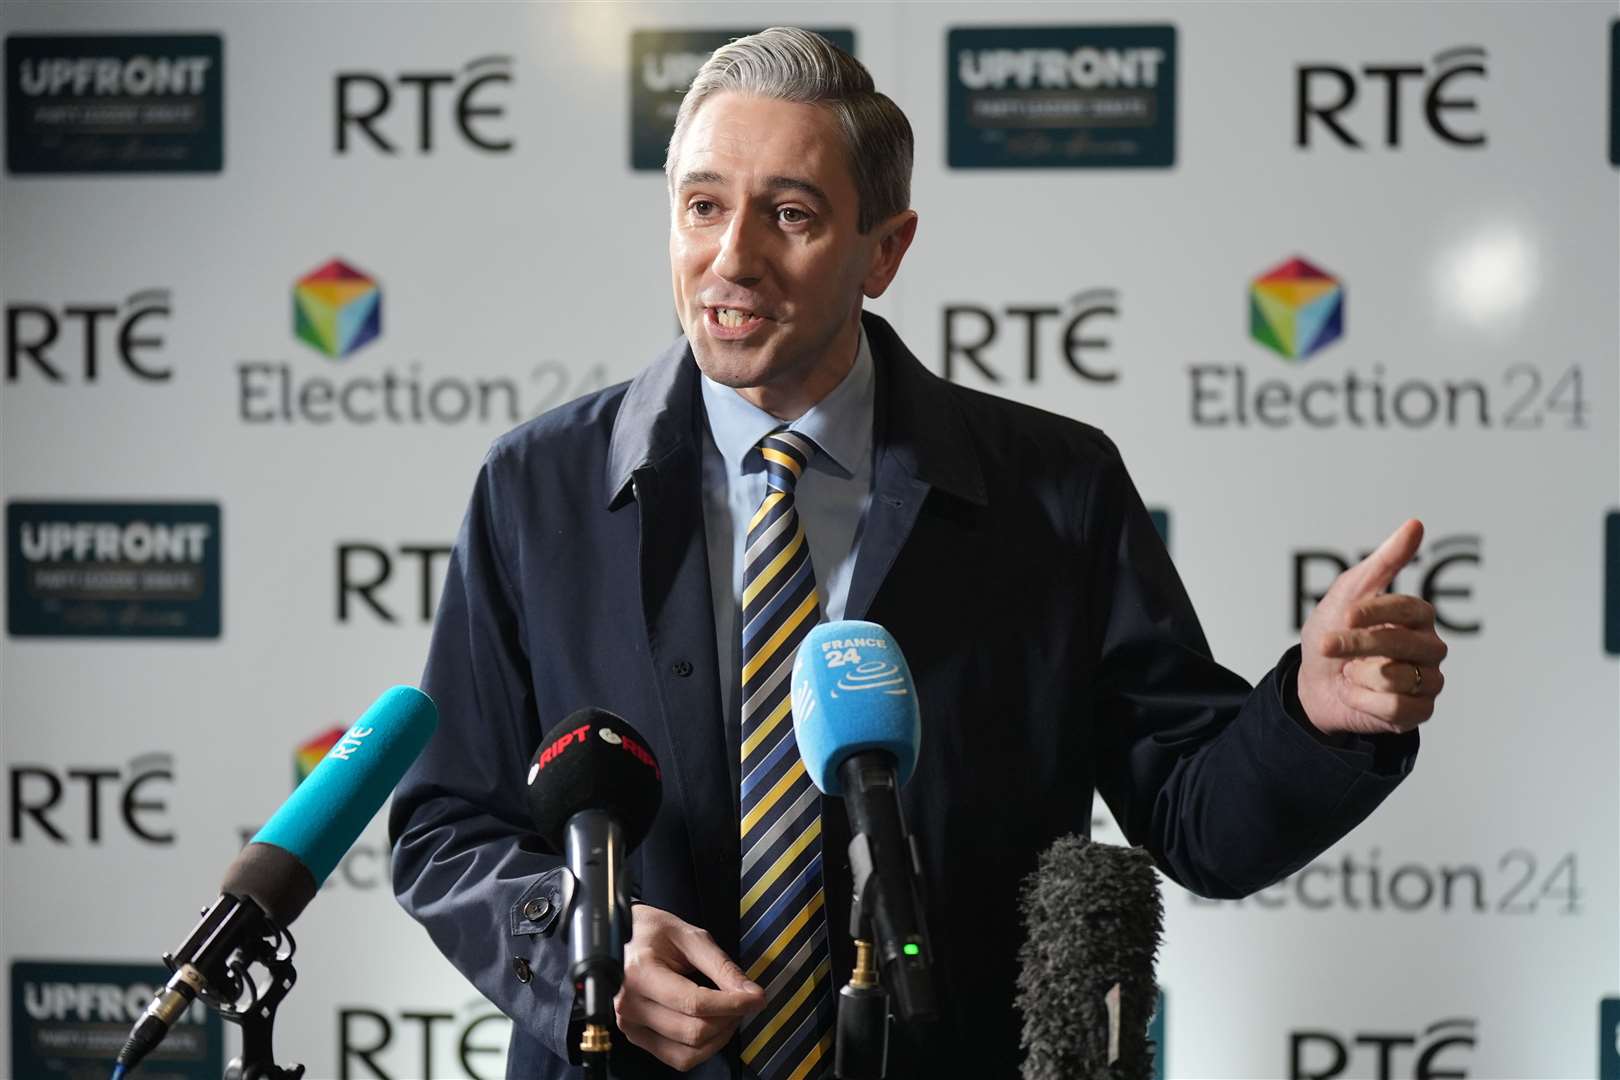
[
  {"x": 536, "y": 909},
  {"x": 520, "y": 967},
  {"x": 683, "y": 668}
]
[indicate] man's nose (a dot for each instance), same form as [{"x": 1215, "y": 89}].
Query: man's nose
[{"x": 741, "y": 256}]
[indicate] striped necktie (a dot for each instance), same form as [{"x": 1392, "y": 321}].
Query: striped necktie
[{"x": 784, "y": 927}]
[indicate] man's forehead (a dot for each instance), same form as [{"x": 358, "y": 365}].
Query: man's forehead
[{"x": 735, "y": 136}]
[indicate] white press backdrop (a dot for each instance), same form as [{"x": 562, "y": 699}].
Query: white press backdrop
[{"x": 1485, "y": 890}]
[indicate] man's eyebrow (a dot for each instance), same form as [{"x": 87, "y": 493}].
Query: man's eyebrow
[
  {"x": 705, "y": 176},
  {"x": 797, "y": 183},
  {"x": 702, "y": 177}
]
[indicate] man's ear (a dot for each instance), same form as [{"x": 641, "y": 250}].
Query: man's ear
[{"x": 894, "y": 238}]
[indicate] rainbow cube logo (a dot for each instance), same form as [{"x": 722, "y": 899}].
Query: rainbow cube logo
[
  {"x": 1296, "y": 309},
  {"x": 310, "y": 754},
  {"x": 337, "y": 309}
]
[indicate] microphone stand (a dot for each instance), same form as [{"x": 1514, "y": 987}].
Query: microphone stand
[
  {"x": 257, "y": 1017},
  {"x": 861, "y": 1045},
  {"x": 229, "y": 987}
]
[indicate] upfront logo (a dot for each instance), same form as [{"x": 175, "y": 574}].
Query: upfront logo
[
  {"x": 68, "y": 1016},
  {"x": 97, "y": 1002},
  {"x": 123, "y": 76},
  {"x": 1061, "y": 96},
  {"x": 1059, "y": 69},
  {"x": 114, "y": 569},
  {"x": 662, "y": 65},
  {"x": 134, "y": 103}
]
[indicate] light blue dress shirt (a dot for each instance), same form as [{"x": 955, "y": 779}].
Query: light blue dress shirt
[{"x": 831, "y": 497}]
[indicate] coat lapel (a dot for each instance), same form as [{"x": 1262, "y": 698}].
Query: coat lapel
[
  {"x": 654, "y": 462},
  {"x": 921, "y": 444}
]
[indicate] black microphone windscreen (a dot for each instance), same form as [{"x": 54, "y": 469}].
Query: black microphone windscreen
[
  {"x": 1093, "y": 918},
  {"x": 593, "y": 760}
]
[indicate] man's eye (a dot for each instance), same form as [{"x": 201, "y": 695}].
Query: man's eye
[
  {"x": 702, "y": 207},
  {"x": 792, "y": 215}
]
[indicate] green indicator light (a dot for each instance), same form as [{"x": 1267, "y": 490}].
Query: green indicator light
[{"x": 911, "y": 949}]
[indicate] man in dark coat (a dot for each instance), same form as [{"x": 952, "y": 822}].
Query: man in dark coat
[{"x": 609, "y": 557}]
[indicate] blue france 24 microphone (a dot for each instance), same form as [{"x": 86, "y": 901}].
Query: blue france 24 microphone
[
  {"x": 269, "y": 883},
  {"x": 857, "y": 724}
]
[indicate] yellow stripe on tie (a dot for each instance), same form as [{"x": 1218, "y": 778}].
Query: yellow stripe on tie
[
  {"x": 783, "y": 861},
  {"x": 764, "y": 508},
  {"x": 771, "y": 570},
  {"x": 815, "y": 1055},
  {"x": 764, "y": 729},
  {"x": 786, "y": 935},
  {"x": 787, "y": 461},
  {"x": 758, "y": 811},
  {"x": 785, "y": 1010},
  {"x": 783, "y": 632}
]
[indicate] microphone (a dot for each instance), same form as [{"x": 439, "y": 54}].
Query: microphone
[
  {"x": 593, "y": 791},
  {"x": 856, "y": 721},
  {"x": 1093, "y": 917},
  {"x": 276, "y": 875}
]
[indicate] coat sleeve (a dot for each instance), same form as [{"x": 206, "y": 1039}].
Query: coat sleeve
[
  {"x": 465, "y": 864},
  {"x": 1230, "y": 788}
]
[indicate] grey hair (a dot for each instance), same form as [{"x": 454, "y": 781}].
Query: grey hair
[{"x": 788, "y": 64}]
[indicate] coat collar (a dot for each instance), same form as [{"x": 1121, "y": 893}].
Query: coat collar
[{"x": 917, "y": 419}]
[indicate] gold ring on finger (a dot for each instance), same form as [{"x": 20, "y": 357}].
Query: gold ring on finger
[{"x": 1417, "y": 679}]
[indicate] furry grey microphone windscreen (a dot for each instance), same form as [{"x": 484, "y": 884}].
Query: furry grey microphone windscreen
[{"x": 1092, "y": 917}]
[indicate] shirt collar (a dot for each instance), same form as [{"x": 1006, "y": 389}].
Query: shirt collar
[{"x": 840, "y": 423}]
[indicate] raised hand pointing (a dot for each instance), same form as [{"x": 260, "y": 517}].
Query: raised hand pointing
[{"x": 1371, "y": 660}]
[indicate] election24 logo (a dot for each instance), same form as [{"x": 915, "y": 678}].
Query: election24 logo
[
  {"x": 309, "y": 754},
  {"x": 337, "y": 312},
  {"x": 336, "y": 309},
  {"x": 136, "y": 103},
  {"x": 1296, "y": 309},
  {"x": 1061, "y": 97}
]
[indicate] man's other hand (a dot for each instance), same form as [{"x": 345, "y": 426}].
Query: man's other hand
[
  {"x": 661, "y": 1009},
  {"x": 1371, "y": 660}
]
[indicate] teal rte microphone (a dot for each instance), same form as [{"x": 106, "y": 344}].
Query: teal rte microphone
[{"x": 279, "y": 872}]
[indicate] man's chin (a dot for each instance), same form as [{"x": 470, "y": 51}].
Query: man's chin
[{"x": 730, "y": 364}]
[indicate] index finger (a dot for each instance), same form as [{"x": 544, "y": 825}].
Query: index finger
[
  {"x": 675, "y": 991},
  {"x": 702, "y": 953},
  {"x": 1393, "y": 609}
]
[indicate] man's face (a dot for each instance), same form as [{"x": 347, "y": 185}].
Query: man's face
[{"x": 767, "y": 265}]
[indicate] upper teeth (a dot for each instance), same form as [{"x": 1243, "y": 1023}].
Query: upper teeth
[{"x": 730, "y": 316}]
